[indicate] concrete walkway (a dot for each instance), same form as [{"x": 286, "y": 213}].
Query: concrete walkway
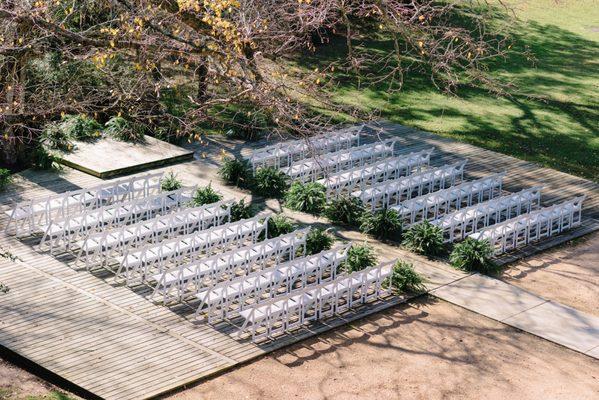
[{"x": 526, "y": 311}]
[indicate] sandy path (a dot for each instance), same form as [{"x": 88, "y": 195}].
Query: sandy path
[
  {"x": 431, "y": 350},
  {"x": 568, "y": 274}
]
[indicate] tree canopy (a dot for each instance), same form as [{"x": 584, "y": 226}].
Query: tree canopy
[{"x": 175, "y": 66}]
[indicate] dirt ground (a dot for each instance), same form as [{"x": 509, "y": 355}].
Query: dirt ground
[
  {"x": 17, "y": 384},
  {"x": 568, "y": 274},
  {"x": 430, "y": 350}
]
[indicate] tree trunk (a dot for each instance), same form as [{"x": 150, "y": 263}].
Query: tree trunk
[{"x": 202, "y": 78}]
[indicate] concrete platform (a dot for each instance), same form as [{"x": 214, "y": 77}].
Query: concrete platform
[
  {"x": 108, "y": 157},
  {"x": 560, "y": 324},
  {"x": 526, "y": 311}
]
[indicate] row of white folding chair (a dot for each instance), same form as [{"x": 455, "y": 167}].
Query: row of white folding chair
[
  {"x": 99, "y": 247},
  {"x": 289, "y": 312},
  {"x": 137, "y": 264},
  {"x": 283, "y": 154},
  {"x": 226, "y": 300},
  {"x": 311, "y": 169},
  {"x": 390, "y": 193},
  {"x": 187, "y": 280},
  {"x": 435, "y": 204},
  {"x": 461, "y": 223},
  {"x": 28, "y": 215},
  {"x": 533, "y": 226},
  {"x": 386, "y": 169},
  {"x": 64, "y": 232}
]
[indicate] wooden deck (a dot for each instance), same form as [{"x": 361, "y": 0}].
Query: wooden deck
[
  {"x": 108, "y": 157},
  {"x": 114, "y": 343}
]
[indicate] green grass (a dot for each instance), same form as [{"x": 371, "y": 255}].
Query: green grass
[
  {"x": 53, "y": 395},
  {"x": 552, "y": 118}
]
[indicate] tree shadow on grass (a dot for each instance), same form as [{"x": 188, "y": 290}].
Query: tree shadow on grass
[{"x": 550, "y": 117}]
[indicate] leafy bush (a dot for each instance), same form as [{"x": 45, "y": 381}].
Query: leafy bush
[
  {"x": 80, "y": 127},
  {"x": 5, "y": 178},
  {"x": 383, "y": 224},
  {"x": 405, "y": 279},
  {"x": 43, "y": 160},
  {"x": 236, "y": 172},
  {"x": 344, "y": 210},
  {"x": 279, "y": 225},
  {"x": 309, "y": 197},
  {"x": 124, "y": 130},
  {"x": 53, "y": 137},
  {"x": 242, "y": 210},
  {"x": 318, "y": 240},
  {"x": 473, "y": 255},
  {"x": 424, "y": 238},
  {"x": 60, "y": 135},
  {"x": 170, "y": 182},
  {"x": 270, "y": 182},
  {"x": 206, "y": 195},
  {"x": 359, "y": 257}
]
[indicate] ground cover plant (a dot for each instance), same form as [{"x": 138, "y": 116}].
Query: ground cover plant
[
  {"x": 235, "y": 171},
  {"x": 359, "y": 256},
  {"x": 122, "y": 129},
  {"x": 383, "y": 224},
  {"x": 270, "y": 182},
  {"x": 318, "y": 240},
  {"x": 206, "y": 195},
  {"x": 278, "y": 225},
  {"x": 5, "y": 178},
  {"x": 347, "y": 210},
  {"x": 242, "y": 210},
  {"x": 404, "y": 278},
  {"x": 474, "y": 256},
  {"x": 170, "y": 182},
  {"x": 424, "y": 238},
  {"x": 306, "y": 197}
]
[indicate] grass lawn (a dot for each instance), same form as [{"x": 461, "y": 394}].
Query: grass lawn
[{"x": 552, "y": 119}]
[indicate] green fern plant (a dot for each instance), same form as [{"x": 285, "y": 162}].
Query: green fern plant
[
  {"x": 42, "y": 159},
  {"x": 170, "y": 182},
  {"x": 242, "y": 210},
  {"x": 270, "y": 182},
  {"x": 309, "y": 197},
  {"x": 124, "y": 130},
  {"x": 5, "y": 178},
  {"x": 53, "y": 137},
  {"x": 346, "y": 210},
  {"x": 206, "y": 195},
  {"x": 80, "y": 127},
  {"x": 425, "y": 238},
  {"x": 473, "y": 255},
  {"x": 318, "y": 240},
  {"x": 384, "y": 224},
  {"x": 404, "y": 278},
  {"x": 236, "y": 172},
  {"x": 279, "y": 225},
  {"x": 359, "y": 256}
]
